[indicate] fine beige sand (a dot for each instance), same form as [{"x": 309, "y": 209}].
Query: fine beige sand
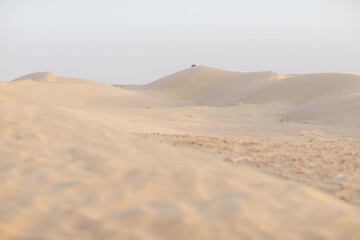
[{"x": 200, "y": 154}]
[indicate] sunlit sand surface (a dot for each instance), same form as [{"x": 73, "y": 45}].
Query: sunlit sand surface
[{"x": 200, "y": 154}]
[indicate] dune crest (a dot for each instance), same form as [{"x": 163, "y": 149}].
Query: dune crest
[
  {"x": 38, "y": 77},
  {"x": 48, "y": 77}
]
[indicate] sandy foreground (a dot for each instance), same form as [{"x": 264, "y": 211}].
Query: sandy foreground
[{"x": 200, "y": 154}]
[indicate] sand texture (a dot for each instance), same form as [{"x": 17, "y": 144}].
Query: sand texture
[{"x": 200, "y": 154}]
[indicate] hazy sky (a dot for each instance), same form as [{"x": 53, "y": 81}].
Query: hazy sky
[{"x": 138, "y": 41}]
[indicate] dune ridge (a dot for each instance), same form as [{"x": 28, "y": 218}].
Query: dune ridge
[
  {"x": 38, "y": 77},
  {"x": 48, "y": 77}
]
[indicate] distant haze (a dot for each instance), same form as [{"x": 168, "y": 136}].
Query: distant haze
[{"x": 138, "y": 41}]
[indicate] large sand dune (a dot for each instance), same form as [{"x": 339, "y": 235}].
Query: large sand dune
[
  {"x": 200, "y": 154},
  {"x": 323, "y": 93},
  {"x": 201, "y": 81}
]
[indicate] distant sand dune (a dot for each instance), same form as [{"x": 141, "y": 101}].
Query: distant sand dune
[
  {"x": 323, "y": 94},
  {"x": 200, "y": 81},
  {"x": 38, "y": 77},
  {"x": 323, "y": 97},
  {"x": 50, "y": 77},
  {"x": 304, "y": 88},
  {"x": 47, "y": 87}
]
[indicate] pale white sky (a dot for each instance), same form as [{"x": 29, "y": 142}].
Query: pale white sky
[{"x": 138, "y": 41}]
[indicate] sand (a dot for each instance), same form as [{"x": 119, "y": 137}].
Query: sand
[{"x": 200, "y": 154}]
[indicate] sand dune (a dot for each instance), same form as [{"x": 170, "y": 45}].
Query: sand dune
[
  {"x": 293, "y": 90},
  {"x": 326, "y": 97},
  {"x": 319, "y": 93},
  {"x": 200, "y": 81},
  {"x": 203, "y": 153},
  {"x": 304, "y": 88},
  {"x": 50, "y": 77},
  {"x": 66, "y": 91},
  {"x": 38, "y": 77}
]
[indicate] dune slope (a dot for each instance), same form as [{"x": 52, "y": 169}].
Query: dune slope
[
  {"x": 305, "y": 88},
  {"x": 66, "y": 91},
  {"x": 200, "y": 81},
  {"x": 75, "y": 178}
]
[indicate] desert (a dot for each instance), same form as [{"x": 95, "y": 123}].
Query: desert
[{"x": 202, "y": 153}]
